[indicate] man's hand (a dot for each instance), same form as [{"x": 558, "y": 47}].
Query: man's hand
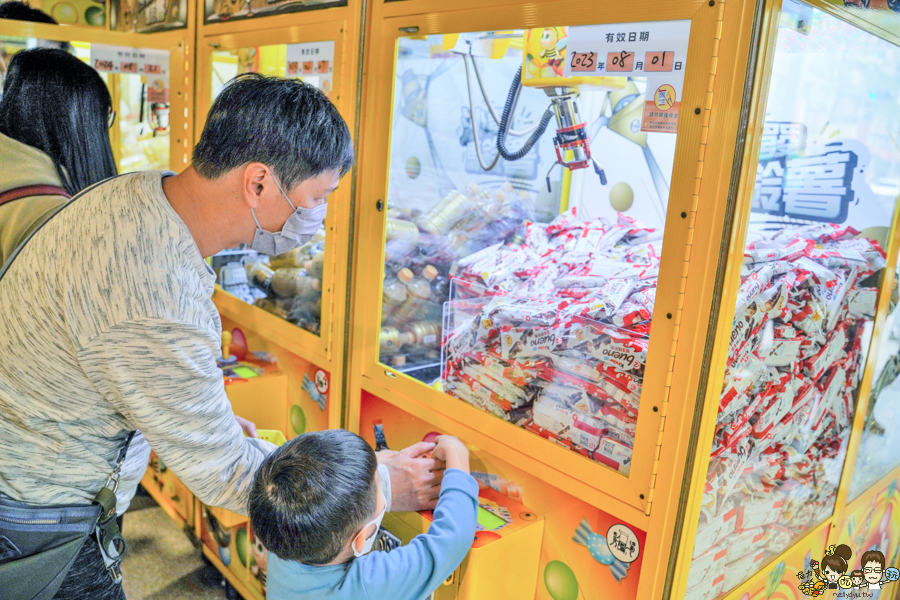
[
  {"x": 385, "y": 456},
  {"x": 415, "y": 480},
  {"x": 249, "y": 427}
]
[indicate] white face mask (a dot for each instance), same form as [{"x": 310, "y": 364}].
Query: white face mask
[
  {"x": 367, "y": 545},
  {"x": 299, "y": 228}
]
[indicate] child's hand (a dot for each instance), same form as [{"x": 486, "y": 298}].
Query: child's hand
[{"x": 453, "y": 452}]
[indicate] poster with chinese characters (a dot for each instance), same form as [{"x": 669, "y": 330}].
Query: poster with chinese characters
[
  {"x": 656, "y": 51},
  {"x": 313, "y": 62},
  {"x": 829, "y": 149},
  {"x": 152, "y": 64}
]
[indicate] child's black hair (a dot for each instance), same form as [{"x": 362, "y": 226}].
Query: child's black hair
[{"x": 311, "y": 495}]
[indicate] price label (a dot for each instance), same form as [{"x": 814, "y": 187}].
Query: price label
[
  {"x": 659, "y": 61},
  {"x": 103, "y": 65},
  {"x": 322, "y": 66},
  {"x": 129, "y": 67},
  {"x": 620, "y": 61},
  {"x": 293, "y": 67},
  {"x": 584, "y": 62},
  {"x": 307, "y": 67},
  {"x": 152, "y": 69}
]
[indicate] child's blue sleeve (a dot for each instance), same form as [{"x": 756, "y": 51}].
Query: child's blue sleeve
[{"x": 413, "y": 571}]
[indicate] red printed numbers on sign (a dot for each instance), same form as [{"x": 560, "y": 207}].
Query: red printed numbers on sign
[
  {"x": 584, "y": 62},
  {"x": 103, "y": 65},
  {"x": 129, "y": 67},
  {"x": 620, "y": 61},
  {"x": 152, "y": 69},
  {"x": 659, "y": 61},
  {"x": 293, "y": 67}
]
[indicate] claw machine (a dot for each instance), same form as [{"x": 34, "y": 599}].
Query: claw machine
[
  {"x": 149, "y": 82},
  {"x": 291, "y": 306},
  {"x": 151, "y": 89},
  {"x": 637, "y": 256}
]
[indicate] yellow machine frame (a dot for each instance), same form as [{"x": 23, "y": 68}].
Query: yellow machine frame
[
  {"x": 725, "y": 90},
  {"x": 693, "y": 234},
  {"x": 179, "y": 43},
  {"x": 682, "y": 550},
  {"x": 327, "y": 350},
  {"x": 341, "y": 24}
]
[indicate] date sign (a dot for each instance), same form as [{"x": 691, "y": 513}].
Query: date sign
[{"x": 584, "y": 62}]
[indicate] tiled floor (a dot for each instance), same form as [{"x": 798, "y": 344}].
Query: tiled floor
[{"x": 161, "y": 562}]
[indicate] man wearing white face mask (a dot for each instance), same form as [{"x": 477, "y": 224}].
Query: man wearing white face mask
[{"x": 108, "y": 326}]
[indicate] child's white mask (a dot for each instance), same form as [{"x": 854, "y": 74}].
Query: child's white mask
[{"x": 367, "y": 545}]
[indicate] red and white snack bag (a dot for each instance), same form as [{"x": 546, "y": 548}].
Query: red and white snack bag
[
  {"x": 613, "y": 453},
  {"x": 713, "y": 528},
  {"x": 782, "y": 352},
  {"x": 739, "y": 544},
  {"x": 707, "y": 590},
  {"x": 516, "y": 396},
  {"x": 757, "y": 512},
  {"x": 708, "y": 566},
  {"x": 739, "y": 571},
  {"x": 612, "y": 347},
  {"x": 566, "y": 423},
  {"x": 604, "y": 302},
  {"x": 778, "y": 539},
  {"x": 737, "y": 386},
  {"x": 520, "y": 343},
  {"x": 861, "y": 302}
]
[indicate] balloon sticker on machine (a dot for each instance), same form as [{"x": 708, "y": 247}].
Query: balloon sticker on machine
[
  {"x": 623, "y": 543},
  {"x": 656, "y": 51}
]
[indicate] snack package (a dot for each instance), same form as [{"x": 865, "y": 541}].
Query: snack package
[{"x": 707, "y": 567}]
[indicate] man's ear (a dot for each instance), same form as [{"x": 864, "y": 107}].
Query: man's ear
[
  {"x": 253, "y": 183},
  {"x": 359, "y": 540}
]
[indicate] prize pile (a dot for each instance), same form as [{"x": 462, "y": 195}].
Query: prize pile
[
  {"x": 551, "y": 333},
  {"x": 291, "y": 283},
  {"x": 794, "y": 361},
  {"x": 422, "y": 253}
]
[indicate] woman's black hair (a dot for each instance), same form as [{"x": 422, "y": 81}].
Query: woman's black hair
[{"x": 59, "y": 105}]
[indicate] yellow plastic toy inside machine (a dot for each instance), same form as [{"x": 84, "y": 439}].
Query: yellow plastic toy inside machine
[{"x": 527, "y": 196}]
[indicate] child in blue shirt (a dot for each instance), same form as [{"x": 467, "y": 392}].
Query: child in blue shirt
[{"x": 316, "y": 505}]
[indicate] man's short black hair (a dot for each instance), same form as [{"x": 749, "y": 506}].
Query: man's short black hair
[
  {"x": 19, "y": 11},
  {"x": 311, "y": 495},
  {"x": 285, "y": 124}
]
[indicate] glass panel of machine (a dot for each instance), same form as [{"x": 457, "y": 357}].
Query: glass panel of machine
[
  {"x": 529, "y": 180},
  {"x": 289, "y": 285},
  {"x": 879, "y": 448},
  {"x": 825, "y": 194}
]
